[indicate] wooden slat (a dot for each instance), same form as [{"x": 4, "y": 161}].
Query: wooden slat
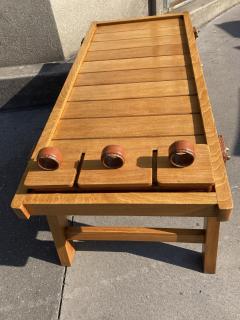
[
  {"x": 153, "y": 51},
  {"x": 135, "y": 43},
  {"x": 139, "y": 25},
  {"x": 131, "y": 107},
  {"x": 136, "y": 63},
  {"x": 140, "y": 75},
  {"x": 70, "y": 148},
  {"x": 136, "y": 173},
  {"x": 219, "y": 171},
  {"x": 171, "y": 125},
  {"x": 143, "y": 33},
  {"x": 181, "y": 204},
  {"x": 133, "y": 90},
  {"x": 135, "y": 234},
  {"x": 196, "y": 176},
  {"x": 60, "y": 178}
]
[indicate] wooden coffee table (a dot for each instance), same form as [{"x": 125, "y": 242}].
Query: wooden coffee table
[{"x": 138, "y": 84}]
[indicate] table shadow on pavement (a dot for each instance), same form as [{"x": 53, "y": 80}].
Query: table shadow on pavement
[
  {"x": 232, "y": 28},
  {"x": 236, "y": 148},
  {"x": 20, "y": 128}
]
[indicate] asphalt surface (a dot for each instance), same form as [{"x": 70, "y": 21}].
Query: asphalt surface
[{"x": 111, "y": 281}]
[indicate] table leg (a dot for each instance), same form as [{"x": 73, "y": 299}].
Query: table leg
[
  {"x": 210, "y": 246},
  {"x": 64, "y": 247}
]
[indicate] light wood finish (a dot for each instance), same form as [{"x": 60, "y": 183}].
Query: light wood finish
[
  {"x": 135, "y": 43},
  {"x": 70, "y": 148},
  {"x": 146, "y": 75},
  {"x": 189, "y": 124},
  {"x": 135, "y": 234},
  {"x": 60, "y": 178},
  {"x": 136, "y": 173},
  {"x": 180, "y": 204},
  {"x": 64, "y": 95},
  {"x": 141, "y": 52},
  {"x": 65, "y": 249},
  {"x": 219, "y": 171},
  {"x": 142, "y": 33},
  {"x": 144, "y": 79},
  {"x": 159, "y": 210},
  {"x": 210, "y": 246},
  {"x": 136, "y": 63},
  {"x": 196, "y": 176},
  {"x": 131, "y": 107}
]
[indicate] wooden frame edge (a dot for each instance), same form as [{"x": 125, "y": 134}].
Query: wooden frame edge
[
  {"x": 58, "y": 109},
  {"x": 226, "y": 204},
  {"x": 139, "y": 19},
  {"x": 19, "y": 208},
  {"x": 140, "y": 204}
]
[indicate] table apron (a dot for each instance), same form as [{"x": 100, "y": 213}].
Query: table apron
[{"x": 181, "y": 210}]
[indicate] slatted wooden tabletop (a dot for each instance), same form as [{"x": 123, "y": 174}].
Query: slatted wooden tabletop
[{"x": 138, "y": 84}]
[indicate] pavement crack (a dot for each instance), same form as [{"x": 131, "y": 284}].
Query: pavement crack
[
  {"x": 64, "y": 279},
  {"x": 62, "y": 291}
]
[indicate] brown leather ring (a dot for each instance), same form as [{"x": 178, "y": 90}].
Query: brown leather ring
[
  {"x": 49, "y": 158},
  {"x": 113, "y": 156},
  {"x": 181, "y": 153}
]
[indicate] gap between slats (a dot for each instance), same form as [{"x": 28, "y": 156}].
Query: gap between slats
[{"x": 55, "y": 139}]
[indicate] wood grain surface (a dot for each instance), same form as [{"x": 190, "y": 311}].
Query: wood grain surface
[
  {"x": 142, "y": 33},
  {"x": 135, "y": 234},
  {"x": 140, "y": 52},
  {"x": 165, "y": 125},
  {"x": 136, "y": 63},
  {"x": 135, "y": 75},
  {"x": 136, "y": 173},
  {"x": 131, "y": 107}
]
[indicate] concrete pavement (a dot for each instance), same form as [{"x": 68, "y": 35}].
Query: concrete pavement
[{"x": 131, "y": 281}]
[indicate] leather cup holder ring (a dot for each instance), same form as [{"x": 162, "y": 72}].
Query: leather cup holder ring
[
  {"x": 113, "y": 156},
  {"x": 49, "y": 158},
  {"x": 181, "y": 153}
]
